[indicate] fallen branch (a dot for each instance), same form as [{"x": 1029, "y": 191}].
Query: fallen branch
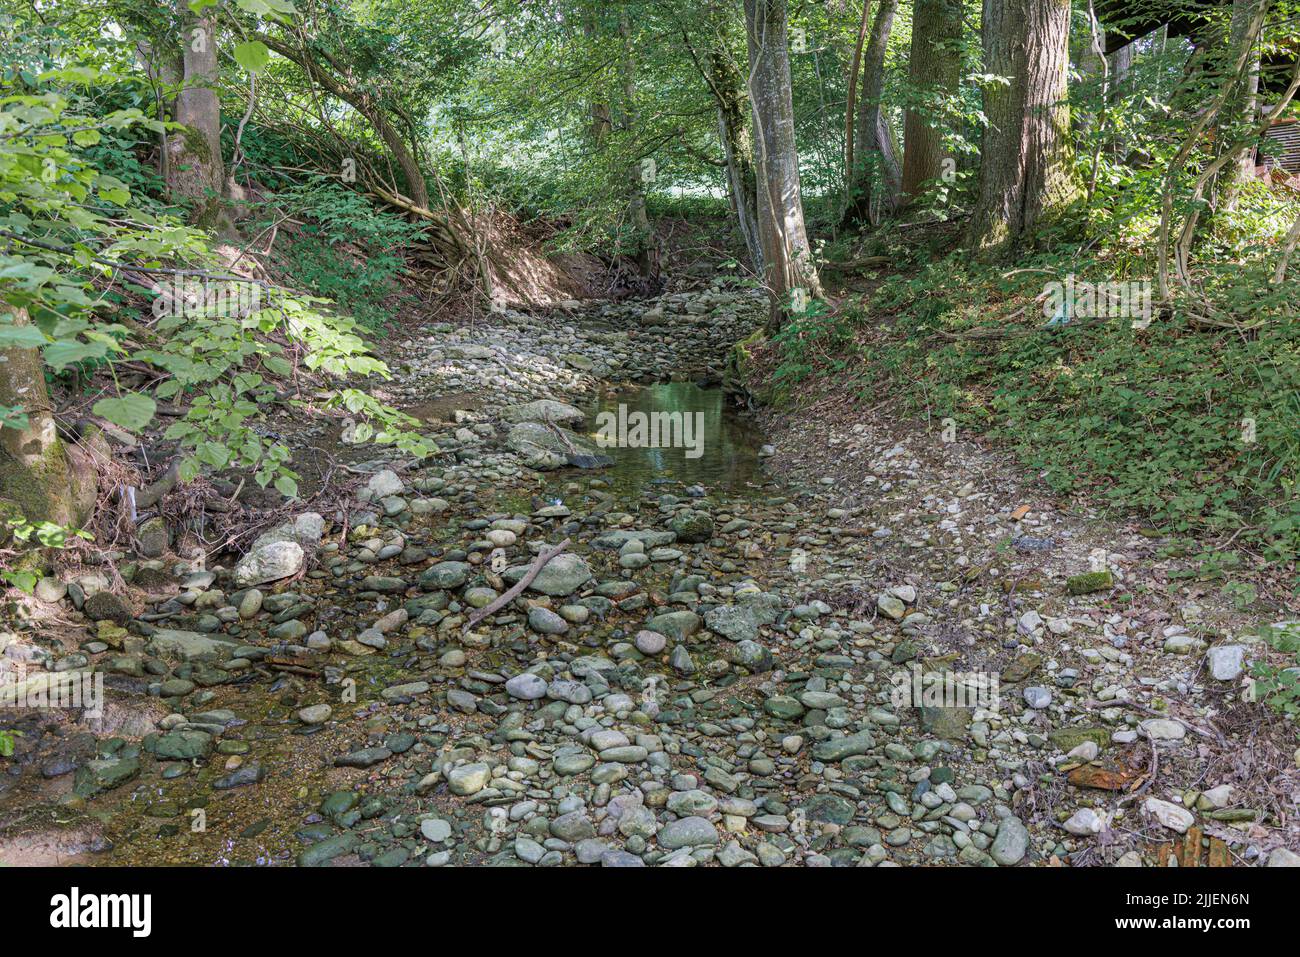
[
  {"x": 1211, "y": 733},
  {"x": 539, "y": 563}
]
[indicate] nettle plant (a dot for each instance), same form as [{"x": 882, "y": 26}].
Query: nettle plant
[{"x": 68, "y": 230}]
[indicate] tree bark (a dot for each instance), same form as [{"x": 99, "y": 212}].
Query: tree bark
[
  {"x": 1026, "y": 178},
  {"x": 1243, "y": 109},
  {"x": 195, "y": 170},
  {"x": 41, "y": 479},
  {"x": 642, "y": 236},
  {"x": 1121, "y": 65},
  {"x": 787, "y": 255},
  {"x": 875, "y": 191},
  {"x": 727, "y": 86},
  {"x": 934, "y": 71},
  {"x": 850, "y": 106}
]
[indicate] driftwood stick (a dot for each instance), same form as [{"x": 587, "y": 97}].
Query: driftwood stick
[
  {"x": 150, "y": 496},
  {"x": 497, "y": 604}
]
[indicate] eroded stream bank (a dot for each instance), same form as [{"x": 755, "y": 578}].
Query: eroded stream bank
[{"x": 707, "y": 674}]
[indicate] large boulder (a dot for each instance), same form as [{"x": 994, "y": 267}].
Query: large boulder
[
  {"x": 563, "y": 575},
  {"x": 175, "y": 644},
  {"x": 692, "y": 526},
  {"x": 269, "y": 563},
  {"x": 741, "y": 621},
  {"x": 551, "y": 447},
  {"x": 280, "y": 552},
  {"x": 306, "y": 529},
  {"x": 543, "y": 410}
]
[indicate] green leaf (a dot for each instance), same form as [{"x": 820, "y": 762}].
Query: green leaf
[
  {"x": 24, "y": 337},
  {"x": 253, "y": 56},
  {"x": 61, "y": 354},
  {"x": 131, "y": 412},
  {"x": 286, "y": 486}
]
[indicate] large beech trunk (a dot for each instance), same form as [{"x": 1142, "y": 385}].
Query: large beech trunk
[
  {"x": 787, "y": 256},
  {"x": 1026, "y": 175},
  {"x": 934, "y": 67}
]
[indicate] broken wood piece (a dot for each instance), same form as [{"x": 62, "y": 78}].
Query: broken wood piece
[{"x": 534, "y": 570}]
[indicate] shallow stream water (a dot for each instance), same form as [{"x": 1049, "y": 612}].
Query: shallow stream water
[{"x": 688, "y": 435}]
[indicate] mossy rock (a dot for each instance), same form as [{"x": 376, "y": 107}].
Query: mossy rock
[
  {"x": 738, "y": 373},
  {"x": 1067, "y": 739},
  {"x": 1089, "y": 582}
]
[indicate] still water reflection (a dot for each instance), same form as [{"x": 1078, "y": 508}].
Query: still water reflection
[{"x": 727, "y": 442}]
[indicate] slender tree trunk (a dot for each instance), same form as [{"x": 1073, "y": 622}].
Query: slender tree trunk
[
  {"x": 728, "y": 89},
  {"x": 851, "y": 105},
  {"x": 1027, "y": 178},
  {"x": 789, "y": 269},
  {"x": 195, "y": 168},
  {"x": 934, "y": 68},
  {"x": 165, "y": 68},
  {"x": 373, "y": 112},
  {"x": 600, "y": 121},
  {"x": 39, "y": 479},
  {"x": 642, "y": 236},
  {"x": 875, "y": 191}
]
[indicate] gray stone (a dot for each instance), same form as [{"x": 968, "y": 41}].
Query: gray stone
[
  {"x": 687, "y": 832},
  {"x": 526, "y": 687},
  {"x": 1011, "y": 843},
  {"x": 543, "y": 410},
  {"x": 269, "y": 563},
  {"x": 1226, "y": 661}
]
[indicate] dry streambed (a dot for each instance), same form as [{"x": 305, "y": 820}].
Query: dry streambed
[{"x": 708, "y": 673}]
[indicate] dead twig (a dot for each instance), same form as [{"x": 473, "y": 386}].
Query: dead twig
[{"x": 539, "y": 563}]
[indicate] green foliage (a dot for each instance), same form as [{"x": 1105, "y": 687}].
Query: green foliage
[
  {"x": 1199, "y": 430},
  {"x": 7, "y": 742},
  {"x": 72, "y": 226},
  {"x": 814, "y": 340},
  {"x": 348, "y": 250},
  {"x": 46, "y": 534},
  {"x": 1279, "y": 687}
]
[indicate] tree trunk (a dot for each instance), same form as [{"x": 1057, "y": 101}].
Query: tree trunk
[
  {"x": 1242, "y": 110},
  {"x": 1121, "y": 65},
  {"x": 165, "y": 68},
  {"x": 41, "y": 479},
  {"x": 875, "y": 191},
  {"x": 373, "y": 112},
  {"x": 787, "y": 256},
  {"x": 195, "y": 170},
  {"x": 727, "y": 86},
  {"x": 642, "y": 237},
  {"x": 1027, "y": 177},
  {"x": 934, "y": 71},
  {"x": 850, "y": 106}
]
